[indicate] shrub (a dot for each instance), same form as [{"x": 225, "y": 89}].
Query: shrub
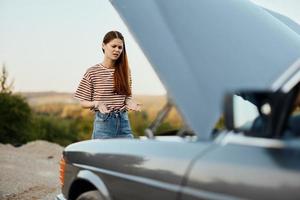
[
  {"x": 54, "y": 129},
  {"x": 15, "y": 118}
]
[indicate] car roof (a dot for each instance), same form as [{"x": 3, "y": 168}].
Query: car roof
[{"x": 201, "y": 49}]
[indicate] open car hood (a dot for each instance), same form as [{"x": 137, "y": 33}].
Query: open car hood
[{"x": 200, "y": 49}]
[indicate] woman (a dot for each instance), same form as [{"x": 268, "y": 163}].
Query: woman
[{"x": 106, "y": 89}]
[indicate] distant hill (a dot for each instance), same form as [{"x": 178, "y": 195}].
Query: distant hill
[{"x": 40, "y": 98}]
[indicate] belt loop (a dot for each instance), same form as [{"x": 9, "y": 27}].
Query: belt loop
[{"x": 117, "y": 112}]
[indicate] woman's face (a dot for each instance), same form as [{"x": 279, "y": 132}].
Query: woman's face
[{"x": 113, "y": 48}]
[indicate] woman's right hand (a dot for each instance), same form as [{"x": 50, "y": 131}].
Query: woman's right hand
[{"x": 101, "y": 107}]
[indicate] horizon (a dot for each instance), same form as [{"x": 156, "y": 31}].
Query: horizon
[
  {"x": 61, "y": 98},
  {"x": 57, "y": 92}
]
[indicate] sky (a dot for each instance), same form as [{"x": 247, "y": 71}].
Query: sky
[{"x": 47, "y": 45}]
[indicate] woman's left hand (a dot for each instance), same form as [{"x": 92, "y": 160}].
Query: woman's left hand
[{"x": 132, "y": 105}]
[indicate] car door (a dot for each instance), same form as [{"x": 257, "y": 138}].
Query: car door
[{"x": 246, "y": 168}]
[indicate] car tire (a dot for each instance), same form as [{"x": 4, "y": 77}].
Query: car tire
[{"x": 90, "y": 195}]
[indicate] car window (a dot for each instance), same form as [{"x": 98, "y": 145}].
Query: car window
[
  {"x": 247, "y": 116},
  {"x": 246, "y": 113},
  {"x": 264, "y": 113}
]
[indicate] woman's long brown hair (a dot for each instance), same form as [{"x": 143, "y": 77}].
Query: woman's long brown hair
[{"x": 121, "y": 75}]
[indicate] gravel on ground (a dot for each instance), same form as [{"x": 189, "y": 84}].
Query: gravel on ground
[{"x": 30, "y": 172}]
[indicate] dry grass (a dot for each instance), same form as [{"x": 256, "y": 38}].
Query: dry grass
[{"x": 63, "y": 105}]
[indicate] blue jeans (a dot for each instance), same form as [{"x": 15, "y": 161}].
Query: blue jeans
[{"x": 111, "y": 125}]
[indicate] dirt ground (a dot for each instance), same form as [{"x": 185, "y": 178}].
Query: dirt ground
[{"x": 30, "y": 172}]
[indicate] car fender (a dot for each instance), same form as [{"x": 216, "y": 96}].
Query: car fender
[{"x": 96, "y": 181}]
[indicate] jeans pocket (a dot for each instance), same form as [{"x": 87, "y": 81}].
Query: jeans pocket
[
  {"x": 101, "y": 117},
  {"x": 125, "y": 116}
]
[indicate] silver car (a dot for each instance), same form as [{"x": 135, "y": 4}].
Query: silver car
[{"x": 205, "y": 52}]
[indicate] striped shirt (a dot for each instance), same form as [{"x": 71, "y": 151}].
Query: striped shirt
[{"x": 97, "y": 84}]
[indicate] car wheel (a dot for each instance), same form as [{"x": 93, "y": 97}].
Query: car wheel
[{"x": 90, "y": 195}]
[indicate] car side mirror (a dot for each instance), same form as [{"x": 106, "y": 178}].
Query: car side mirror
[{"x": 251, "y": 112}]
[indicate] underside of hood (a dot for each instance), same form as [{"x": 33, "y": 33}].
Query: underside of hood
[{"x": 201, "y": 49}]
